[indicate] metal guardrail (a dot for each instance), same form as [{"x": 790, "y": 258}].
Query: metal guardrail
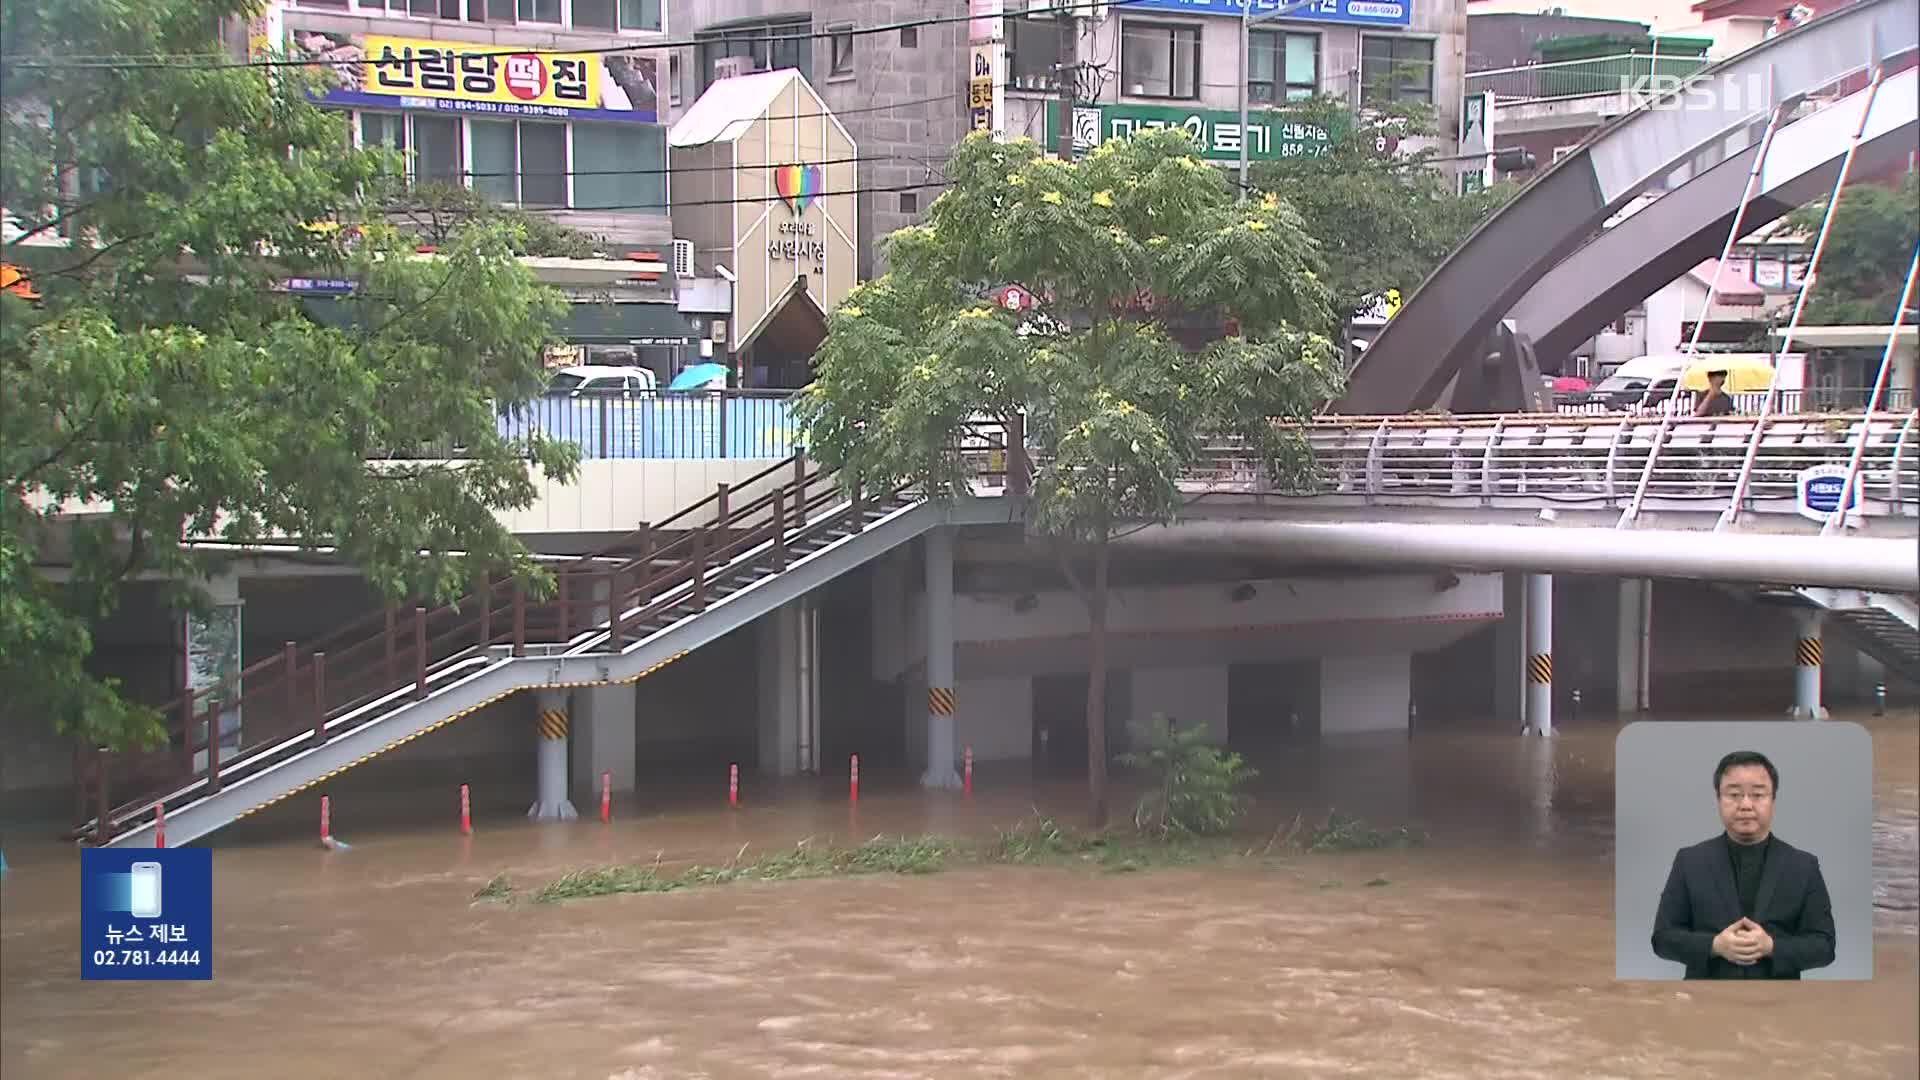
[
  {"x": 1810, "y": 401},
  {"x": 1533, "y": 461},
  {"x": 705, "y": 424},
  {"x": 1619, "y": 74}
]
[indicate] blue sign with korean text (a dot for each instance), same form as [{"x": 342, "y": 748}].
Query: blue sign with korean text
[
  {"x": 1353, "y": 12},
  {"x": 146, "y": 913}
]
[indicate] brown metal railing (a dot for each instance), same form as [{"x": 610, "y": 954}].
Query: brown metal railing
[{"x": 614, "y": 596}]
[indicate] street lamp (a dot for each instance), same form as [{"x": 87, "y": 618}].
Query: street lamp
[{"x": 1247, "y": 18}]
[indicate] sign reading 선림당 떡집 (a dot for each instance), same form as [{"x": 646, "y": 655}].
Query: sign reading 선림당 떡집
[{"x": 374, "y": 71}]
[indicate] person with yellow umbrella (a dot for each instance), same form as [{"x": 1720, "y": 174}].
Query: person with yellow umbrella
[{"x": 1715, "y": 379}]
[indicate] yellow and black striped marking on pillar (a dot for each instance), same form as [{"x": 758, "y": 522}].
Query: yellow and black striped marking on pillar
[
  {"x": 1540, "y": 668},
  {"x": 1809, "y": 652},
  {"x": 553, "y": 724},
  {"x": 940, "y": 700}
]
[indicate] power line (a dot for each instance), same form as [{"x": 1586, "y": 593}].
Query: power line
[{"x": 191, "y": 62}]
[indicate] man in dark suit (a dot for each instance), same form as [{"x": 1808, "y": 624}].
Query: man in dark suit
[{"x": 1745, "y": 904}]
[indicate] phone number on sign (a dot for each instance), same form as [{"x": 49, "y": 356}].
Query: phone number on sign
[{"x": 144, "y": 957}]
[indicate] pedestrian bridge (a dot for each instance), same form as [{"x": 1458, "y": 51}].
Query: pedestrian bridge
[{"x": 650, "y": 596}]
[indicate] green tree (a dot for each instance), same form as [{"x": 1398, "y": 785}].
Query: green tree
[
  {"x": 1385, "y": 217},
  {"x": 1196, "y": 786},
  {"x": 164, "y": 388},
  {"x": 1869, "y": 248},
  {"x": 1127, "y": 248}
]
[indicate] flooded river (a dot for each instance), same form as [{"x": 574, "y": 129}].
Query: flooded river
[{"x": 1487, "y": 953}]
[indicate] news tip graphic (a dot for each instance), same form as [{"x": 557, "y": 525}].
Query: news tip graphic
[{"x": 146, "y": 913}]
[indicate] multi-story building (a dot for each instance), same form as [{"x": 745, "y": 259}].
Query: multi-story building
[
  {"x": 575, "y": 131},
  {"x": 904, "y": 94}
]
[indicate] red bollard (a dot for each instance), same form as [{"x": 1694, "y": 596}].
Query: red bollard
[
  {"x": 159, "y": 825},
  {"x": 466, "y": 813},
  {"x": 853, "y": 780},
  {"x": 733, "y": 785},
  {"x": 606, "y": 797},
  {"x": 326, "y": 820},
  {"x": 966, "y": 775}
]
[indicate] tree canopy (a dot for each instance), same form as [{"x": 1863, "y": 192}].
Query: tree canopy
[
  {"x": 1385, "y": 217},
  {"x": 1168, "y": 313},
  {"x": 1869, "y": 248},
  {"x": 165, "y": 386}
]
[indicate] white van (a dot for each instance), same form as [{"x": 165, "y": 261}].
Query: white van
[{"x": 1650, "y": 380}]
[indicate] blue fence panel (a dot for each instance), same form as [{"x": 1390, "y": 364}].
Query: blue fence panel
[{"x": 700, "y": 425}]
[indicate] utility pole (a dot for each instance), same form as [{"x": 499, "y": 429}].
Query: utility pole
[{"x": 1067, "y": 79}]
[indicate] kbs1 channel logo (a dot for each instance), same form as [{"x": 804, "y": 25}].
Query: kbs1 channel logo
[{"x": 146, "y": 914}]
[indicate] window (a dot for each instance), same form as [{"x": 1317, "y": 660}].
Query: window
[
  {"x": 1033, "y": 53},
  {"x": 546, "y": 11},
  {"x": 616, "y": 14},
  {"x": 437, "y": 140},
  {"x": 519, "y": 162},
  {"x": 1160, "y": 61},
  {"x": 1282, "y": 67},
  {"x": 842, "y": 55},
  {"x": 383, "y": 129},
  {"x": 772, "y": 45},
  {"x": 1396, "y": 68},
  {"x": 909, "y": 37},
  {"x": 619, "y": 166},
  {"x": 909, "y": 202},
  {"x": 675, "y": 79}
]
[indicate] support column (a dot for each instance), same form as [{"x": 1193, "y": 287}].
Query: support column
[
  {"x": 1806, "y": 673},
  {"x": 213, "y": 658},
  {"x": 940, "y": 700},
  {"x": 551, "y": 803},
  {"x": 1631, "y": 646},
  {"x": 789, "y": 664},
  {"x": 604, "y": 737},
  {"x": 1540, "y": 653}
]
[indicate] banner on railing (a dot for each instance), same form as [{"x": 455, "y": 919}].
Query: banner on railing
[{"x": 670, "y": 425}]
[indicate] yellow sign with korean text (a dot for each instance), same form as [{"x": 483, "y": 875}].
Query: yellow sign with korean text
[{"x": 378, "y": 71}]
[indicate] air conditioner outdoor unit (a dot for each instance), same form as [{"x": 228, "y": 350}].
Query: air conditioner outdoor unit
[
  {"x": 728, "y": 67},
  {"x": 683, "y": 258}
]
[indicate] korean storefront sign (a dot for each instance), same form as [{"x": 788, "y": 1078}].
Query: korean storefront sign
[
  {"x": 1351, "y": 12},
  {"x": 984, "y": 94},
  {"x": 373, "y": 71},
  {"x": 1270, "y": 136}
]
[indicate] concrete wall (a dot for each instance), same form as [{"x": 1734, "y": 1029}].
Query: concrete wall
[
  {"x": 1189, "y": 695},
  {"x": 616, "y": 495},
  {"x": 995, "y": 717},
  {"x": 1361, "y": 694}
]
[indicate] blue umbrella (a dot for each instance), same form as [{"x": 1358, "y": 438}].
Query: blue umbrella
[{"x": 700, "y": 377}]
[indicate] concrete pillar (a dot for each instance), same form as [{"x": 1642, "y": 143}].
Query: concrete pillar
[
  {"x": 1806, "y": 673},
  {"x": 214, "y": 656},
  {"x": 940, "y": 698},
  {"x": 1509, "y": 649},
  {"x": 1632, "y": 647},
  {"x": 604, "y": 736},
  {"x": 551, "y": 721},
  {"x": 789, "y": 724},
  {"x": 1365, "y": 694},
  {"x": 1540, "y": 653}
]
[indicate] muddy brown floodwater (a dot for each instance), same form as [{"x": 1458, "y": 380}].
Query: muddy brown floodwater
[{"x": 1488, "y": 953}]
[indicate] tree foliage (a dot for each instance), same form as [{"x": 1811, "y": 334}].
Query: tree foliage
[
  {"x": 1196, "y": 787},
  {"x": 164, "y": 388},
  {"x": 1168, "y": 313},
  {"x": 1385, "y": 218},
  {"x": 1869, "y": 248}
]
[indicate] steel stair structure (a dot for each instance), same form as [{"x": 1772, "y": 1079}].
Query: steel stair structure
[
  {"x": 617, "y": 615},
  {"x": 1885, "y": 626}
]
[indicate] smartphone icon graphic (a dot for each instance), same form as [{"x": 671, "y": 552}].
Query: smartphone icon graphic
[{"x": 146, "y": 890}]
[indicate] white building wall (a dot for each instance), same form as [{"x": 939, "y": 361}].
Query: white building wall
[{"x": 995, "y": 717}]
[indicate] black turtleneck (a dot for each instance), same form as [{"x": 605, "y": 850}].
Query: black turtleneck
[{"x": 1749, "y": 860}]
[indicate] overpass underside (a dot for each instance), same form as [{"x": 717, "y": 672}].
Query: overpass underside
[{"x": 1527, "y": 281}]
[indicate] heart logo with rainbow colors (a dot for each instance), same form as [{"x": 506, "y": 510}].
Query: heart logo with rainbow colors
[{"x": 797, "y": 184}]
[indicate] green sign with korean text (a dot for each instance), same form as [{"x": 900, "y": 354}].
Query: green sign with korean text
[{"x": 1270, "y": 136}]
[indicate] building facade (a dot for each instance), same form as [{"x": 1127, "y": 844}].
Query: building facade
[
  {"x": 907, "y": 95},
  {"x": 575, "y": 132}
]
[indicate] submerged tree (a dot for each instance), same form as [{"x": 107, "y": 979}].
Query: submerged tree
[
  {"x": 162, "y": 385},
  {"x": 1168, "y": 313}
]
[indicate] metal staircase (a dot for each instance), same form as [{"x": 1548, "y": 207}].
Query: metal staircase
[
  {"x": 616, "y": 615},
  {"x": 1885, "y": 626}
]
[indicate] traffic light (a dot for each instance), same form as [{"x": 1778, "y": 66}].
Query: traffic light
[{"x": 1513, "y": 159}]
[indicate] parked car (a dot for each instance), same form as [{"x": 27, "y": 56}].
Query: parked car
[{"x": 592, "y": 380}]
